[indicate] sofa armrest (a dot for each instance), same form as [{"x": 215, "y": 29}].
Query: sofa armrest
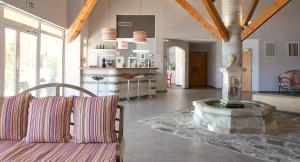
[{"x": 120, "y": 150}]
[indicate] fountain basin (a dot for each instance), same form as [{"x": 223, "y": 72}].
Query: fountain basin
[{"x": 255, "y": 117}]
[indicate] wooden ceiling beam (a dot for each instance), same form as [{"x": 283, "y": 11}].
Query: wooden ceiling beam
[
  {"x": 250, "y": 12},
  {"x": 264, "y": 17},
  {"x": 212, "y": 11},
  {"x": 201, "y": 19},
  {"x": 81, "y": 19}
]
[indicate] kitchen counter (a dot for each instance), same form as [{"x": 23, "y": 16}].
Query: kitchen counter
[
  {"x": 115, "y": 83},
  {"x": 114, "y": 68}
]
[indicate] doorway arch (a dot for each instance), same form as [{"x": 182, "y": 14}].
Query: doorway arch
[
  {"x": 176, "y": 65},
  {"x": 181, "y": 45}
]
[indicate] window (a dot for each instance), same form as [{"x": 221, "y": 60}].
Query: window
[
  {"x": 52, "y": 30},
  {"x": 270, "y": 49},
  {"x": 34, "y": 51},
  {"x": 293, "y": 49},
  {"x": 50, "y": 61},
  {"x": 10, "y": 61},
  {"x": 20, "y": 18}
]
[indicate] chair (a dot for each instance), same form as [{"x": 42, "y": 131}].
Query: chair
[
  {"x": 149, "y": 77},
  {"x": 169, "y": 79},
  {"x": 139, "y": 77},
  {"x": 289, "y": 81},
  {"x": 98, "y": 79},
  {"x": 128, "y": 78}
]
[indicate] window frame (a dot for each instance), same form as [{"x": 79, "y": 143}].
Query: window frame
[
  {"x": 288, "y": 45},
  {"x": 24, "y": 14},
  {"x": 4, "y": 22},
  {"x": 265, "y": 50}
]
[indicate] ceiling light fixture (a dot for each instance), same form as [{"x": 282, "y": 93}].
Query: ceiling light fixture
[
  {"x": 109, "y": 34},
  {"x": 140, "y": 36},
  {"x": 122, "y": 44}
]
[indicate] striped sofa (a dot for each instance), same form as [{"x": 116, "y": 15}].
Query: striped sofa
[{"x": 20, "y": 150}]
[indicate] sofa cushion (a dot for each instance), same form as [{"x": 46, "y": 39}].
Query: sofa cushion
[
  {"x": 59, "y": 152},
  {"x": 49, "y": 119},
  {"x": 94, "y": 119},
  {"x": 13, "y": 117}
]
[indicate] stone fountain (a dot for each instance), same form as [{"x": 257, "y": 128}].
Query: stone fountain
[{"x": 231, "y": 114}]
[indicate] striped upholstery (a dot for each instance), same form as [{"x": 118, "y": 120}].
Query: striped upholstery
[
  {"x": 94, "y": 119},
  {"x": 13, "y": 117},
  {"x": 49, "y": 119},
  {"x": 297, "y": 79},
  {"x": 58, "y": 152}
]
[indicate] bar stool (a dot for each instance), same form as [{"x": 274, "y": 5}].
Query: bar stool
[
  {"x": 98, "y": 79},
  {"x": 149, "y": 77},
  {"x": 139, "y": 77},
  {"x": 169, "y": 79},
  {"x": 128, "y": 78}
]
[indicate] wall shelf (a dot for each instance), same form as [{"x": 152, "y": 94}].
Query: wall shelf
[{"x": 106, "y": 52}]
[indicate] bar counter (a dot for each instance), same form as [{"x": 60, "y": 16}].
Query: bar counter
[
  {"x": 115, "y": 81},
  {"x": 113, "y": 68}
]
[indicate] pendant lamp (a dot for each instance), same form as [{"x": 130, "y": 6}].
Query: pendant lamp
[
  {"x": 140, "y": 36},
  {"x": 122, "y": 45},
  {"x": 109, "y": 34}
]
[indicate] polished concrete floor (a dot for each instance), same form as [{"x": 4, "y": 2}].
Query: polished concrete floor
[{"x": 146, "y": 145}]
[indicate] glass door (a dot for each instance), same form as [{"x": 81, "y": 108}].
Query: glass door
[
  {"x": 27, "y": 61},
  {"x": 50, "y": 62},
  {"x": 10, "y": 39},
  {"x": 20, "y": 60}
]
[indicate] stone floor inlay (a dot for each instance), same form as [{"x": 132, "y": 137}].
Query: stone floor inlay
[{"x": 280, "y": 145}]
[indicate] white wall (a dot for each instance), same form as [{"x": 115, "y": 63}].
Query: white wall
[
  {"x": 54, "y": 11},
  {"x": 75, "y": 50},
  {"x": 215, "y": 63},
  {"x": 72, "y": 64}
]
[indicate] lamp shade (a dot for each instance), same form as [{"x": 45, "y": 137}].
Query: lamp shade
[
  {"x": 109, "y": 34},
  {"x": 139, "y": 37},
  {"x": 122, "y": 45}
]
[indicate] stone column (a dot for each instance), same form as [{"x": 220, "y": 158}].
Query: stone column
[
  {"x": 231, "y": 13},
  {"x": 232, "y": 53}
]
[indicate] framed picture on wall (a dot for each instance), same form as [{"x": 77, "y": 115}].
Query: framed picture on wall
[
  {"x": 142, "y": 56},
  {"x": 120, "y": 62},
  {"x": 132, "y": 62}
]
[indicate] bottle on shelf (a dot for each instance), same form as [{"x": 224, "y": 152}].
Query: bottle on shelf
[
  {"x": 103, "y": 62},
  {"x": 100, "y": 46}
]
